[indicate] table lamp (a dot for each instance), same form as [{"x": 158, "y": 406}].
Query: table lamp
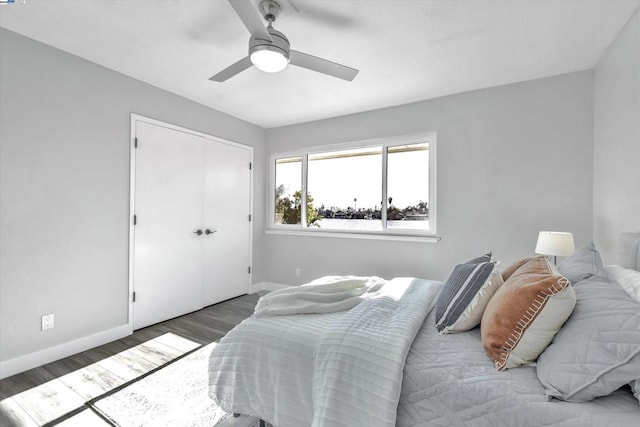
[{"x": 555, "y": 243}]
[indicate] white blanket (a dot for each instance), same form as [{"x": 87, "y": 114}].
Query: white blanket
[
  {"x": 336, "y": 369},
  {"x": 359, "y": 360},
  {"x": 326, "y": 295}
]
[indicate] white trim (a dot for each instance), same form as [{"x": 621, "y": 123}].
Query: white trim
[
  {"x": 41, "y": 357},
  {"x": 304, "y": 191},
  {"x": 132, "y": 211},
  {"x": 139, "y": 118},
  {"x": 135, "y": 118},
  {"x": 433, "y": 167},
  {"x": 368, "y": 235},
  {"x": 252, "y": 216},
  {"x": 266, "y": 286},
  {"x": 385, "y": 192}
]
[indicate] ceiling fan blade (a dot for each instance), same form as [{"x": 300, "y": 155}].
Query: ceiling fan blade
[
  {"x": 322, "y": 65},
  {"x": 320, "y": 13},
  {"x": 250, "y": 18},
  {"x": 291, "y": 5},
  {"x": 232, "y": 70}
]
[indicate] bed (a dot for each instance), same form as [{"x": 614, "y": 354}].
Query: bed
[{"x": 319, "y": 370}]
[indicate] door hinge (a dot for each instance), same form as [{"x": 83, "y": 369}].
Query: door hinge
[
  {"x": 250, "y": 165},
  {"x": 135, "y": 219},
  {"x": 249, "y": 217},
  {"x": 249, "y": 269},
  {"x": 133, "y": 297},
  {"x": 135, "y": 143}
]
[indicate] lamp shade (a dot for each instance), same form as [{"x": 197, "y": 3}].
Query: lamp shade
[
  {"x": 555, "y": 243},
  {"x": 269, "y": 60}
]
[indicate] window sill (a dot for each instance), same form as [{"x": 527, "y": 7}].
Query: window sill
[{"x": 355, "y": 235}]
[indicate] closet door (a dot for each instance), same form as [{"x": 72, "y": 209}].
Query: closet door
[
  {"x": 168, "y": 254},
  {"x": 227, "y": 206}
]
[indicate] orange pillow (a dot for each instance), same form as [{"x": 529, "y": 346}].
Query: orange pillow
[
  {"x": 524, "y": 315},
  {"x": 513, "y": 267}
]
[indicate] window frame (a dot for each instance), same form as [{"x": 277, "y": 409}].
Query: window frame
[{"x": 384, "y": 234}]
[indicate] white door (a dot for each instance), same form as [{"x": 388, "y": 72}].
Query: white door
[
  {"x": 226, "y": 213},
  {"x": 168, "y": 207},
  {"x": 191, "y": 244}
]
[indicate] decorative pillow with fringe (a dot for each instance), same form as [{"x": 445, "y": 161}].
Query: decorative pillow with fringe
[{"x": 525, "y": 313}]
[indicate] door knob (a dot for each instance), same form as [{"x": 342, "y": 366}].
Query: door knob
[
  {"x": 207, "y": 231},
  {"x": 198, "y": 232}
]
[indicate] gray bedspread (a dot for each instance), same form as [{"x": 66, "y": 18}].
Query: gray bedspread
[
  {"x": 450, "y": 381},
  {"x": 447, "y": 381}
]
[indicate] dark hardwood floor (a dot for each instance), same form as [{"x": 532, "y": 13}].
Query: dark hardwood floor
[{"x": 58, "y": 392}]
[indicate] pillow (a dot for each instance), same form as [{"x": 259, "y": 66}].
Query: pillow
[
  {"x": 465, "y": 295},
  {"x": 483, "y": 258},
  {"x": 598, "y": 349},
  {"x": 525, "y": 313},
  {"x": 629, "y": 280},
  {"x": 582, "y": 264},
  {"x": 513, "y": 267}
]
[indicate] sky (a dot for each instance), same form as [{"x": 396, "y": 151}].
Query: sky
[{"x": 338, "y": 181}]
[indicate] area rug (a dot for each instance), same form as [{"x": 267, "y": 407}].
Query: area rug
[{"x": 176, "y": 395}]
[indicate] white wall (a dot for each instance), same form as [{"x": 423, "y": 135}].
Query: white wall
[
  {"x": 512, "y": 160},
  {"x": 617, "y": 141},
  {"x": 64, "y": 190}
]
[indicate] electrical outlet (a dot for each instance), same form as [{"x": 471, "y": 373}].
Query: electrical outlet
[
  {"x": 47, "y": 321},
  {"x": 298, "y": 272}
]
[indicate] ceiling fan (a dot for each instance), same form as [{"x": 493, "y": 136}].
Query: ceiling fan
[{"x": 269, "y": 49}]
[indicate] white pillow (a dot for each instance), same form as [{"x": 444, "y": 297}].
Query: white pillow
[{"x": 629, "y": 280}]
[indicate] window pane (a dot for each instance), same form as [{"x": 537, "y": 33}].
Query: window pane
[
  {"x": 345, "y": 189},
  {"x": 288, "y": 190},
  {"x": 408, "y": 187}
]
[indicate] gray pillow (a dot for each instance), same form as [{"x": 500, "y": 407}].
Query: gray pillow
[
  {"x": 582, "y": 264},
  {"x": 465, "y": 295},
  {"x": 483, "y": 258},
  {"x": 629, "y": 280},
  {"x": 598, "y": 349}
]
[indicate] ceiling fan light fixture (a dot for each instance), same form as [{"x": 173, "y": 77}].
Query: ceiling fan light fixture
[
  {"x": 269, "y": 59},
  {"x": 269, "y": 49}
]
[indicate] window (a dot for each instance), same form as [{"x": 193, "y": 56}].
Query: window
[
  {"x": 288, "y": 190},
  {"x": 384, "y": 187},
  {"x": 345, "y": 188}
]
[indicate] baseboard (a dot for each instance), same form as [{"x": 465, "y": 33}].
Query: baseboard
[
  {"x": 266, "y": 286},
  {"x": 33, "y": 360}
]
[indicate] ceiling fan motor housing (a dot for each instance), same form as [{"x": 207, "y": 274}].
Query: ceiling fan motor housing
[
  {"x": 270, "y": 9},
  {"x": 280, "y": 43}
]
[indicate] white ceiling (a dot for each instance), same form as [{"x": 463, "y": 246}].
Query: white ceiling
[{"x": 405, "y": 50}]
